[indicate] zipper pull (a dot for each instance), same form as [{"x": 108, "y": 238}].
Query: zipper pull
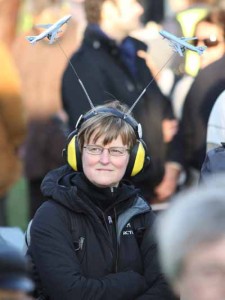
[
  {"x": 81, "y": 242},
  {"x": 110, "y": 220}
]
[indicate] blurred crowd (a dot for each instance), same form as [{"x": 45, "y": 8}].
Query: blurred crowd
[
  {"x": 181, "y": 112},
  {"x": 41, "y": 100}
]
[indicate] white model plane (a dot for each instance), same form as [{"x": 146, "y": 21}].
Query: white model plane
[
  {"x": 181, "y": 44},
  {"x": 51, "y": 31}
]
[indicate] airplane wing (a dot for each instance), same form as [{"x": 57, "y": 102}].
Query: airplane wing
[
  {"x": 188, "y": 39},
  {"x": 177, "y": 48},
  {"x": 201, "y": 49},
  {"x": 53, "y": 36},
  {"x": 45, "y": 26}
]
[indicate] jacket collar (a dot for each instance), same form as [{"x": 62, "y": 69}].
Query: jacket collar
[{"x": 73, "y": 190}]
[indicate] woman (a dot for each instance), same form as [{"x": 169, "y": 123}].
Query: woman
[
  {"x": 93, "y": 238},
  {"x": 209, "y": 32},
  {"x": 207, "y": 86}
]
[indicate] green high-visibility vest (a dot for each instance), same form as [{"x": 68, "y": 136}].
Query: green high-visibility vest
[{"x": 188, "y": 20}]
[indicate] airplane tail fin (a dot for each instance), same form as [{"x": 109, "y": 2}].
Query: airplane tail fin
[
  {"x": 30, "y": 39},
  {"x": 201, "y": 49}
]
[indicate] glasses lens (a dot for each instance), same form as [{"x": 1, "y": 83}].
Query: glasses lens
[
  {"x": 94, "y": 150},
  {"x": 117, "y": 151},
  {"x": 210, "y": 42}
]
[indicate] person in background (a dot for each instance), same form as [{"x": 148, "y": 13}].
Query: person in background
[
  {"x": 40, "y": 69},
  {"x": 191, "y": 239},
  {"x": 9, "y": 15},
  {"x": 213, "y": 38},
  {"x": 216, "y": 124},
  {"x": 180, "y": 19},
  {"x": 109, "y": 66},
  {"x": 15, "y": 282},
  {"x": 93, "y": 238},
  {"x": 186, "y": 14},
  {"x": 12, "y": 127},
  {"x": 207, "y": 86}
]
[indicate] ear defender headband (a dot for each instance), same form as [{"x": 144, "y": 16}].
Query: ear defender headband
[{"x": 138, "y": 157}]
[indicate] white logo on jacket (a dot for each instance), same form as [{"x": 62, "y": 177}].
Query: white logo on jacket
[{"x": 128, "y": 230}]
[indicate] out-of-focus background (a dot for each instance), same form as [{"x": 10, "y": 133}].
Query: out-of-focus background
[
  {"x": 17, "y": 18},
  {"x": 30, "y": 82}
]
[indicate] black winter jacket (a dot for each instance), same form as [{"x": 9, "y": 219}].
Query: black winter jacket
[
  {"x": 106, "y": 76},
  {"x": 106, "y": 261},
  {"x": 207, "y": 86}
]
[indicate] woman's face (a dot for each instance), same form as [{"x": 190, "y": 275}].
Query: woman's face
[
  {"x": 205, "y": 30},
  {"x": 105, "y": 170}
]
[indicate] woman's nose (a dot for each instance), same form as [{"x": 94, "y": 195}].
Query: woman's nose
[{"x": 105, "y": 157}]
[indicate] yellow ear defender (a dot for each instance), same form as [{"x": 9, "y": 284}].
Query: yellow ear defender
[{"x": 138, "y": 156}]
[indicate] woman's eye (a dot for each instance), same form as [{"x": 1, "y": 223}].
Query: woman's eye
[
  {"x": 95, "y": 149},
  {"x": 117, "y": 151}
]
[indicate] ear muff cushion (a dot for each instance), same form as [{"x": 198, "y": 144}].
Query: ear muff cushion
[
  {"x": 137, "y": 160},
  {"x": 74, "y": 155}
]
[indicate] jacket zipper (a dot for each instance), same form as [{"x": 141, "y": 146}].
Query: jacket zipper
[
  {"x": 117, "y": 244},
  {"x": 109, "y": 222}
]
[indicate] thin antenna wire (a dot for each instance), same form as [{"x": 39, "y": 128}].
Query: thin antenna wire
[
  {"x": 114, "y": 97},
  {"x": 145, "y": 89},
  {"x": 78, "y": 78}
]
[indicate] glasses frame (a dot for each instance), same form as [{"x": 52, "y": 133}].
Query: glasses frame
[{"x": 110, "y": 149}]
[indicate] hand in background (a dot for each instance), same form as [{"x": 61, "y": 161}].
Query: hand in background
[
  {"x": 168, "y": 185},
  {"x": 169, "y": 129}
]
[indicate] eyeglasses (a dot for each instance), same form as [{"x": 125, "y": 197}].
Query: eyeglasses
[
  {"x": 114, "y": 151},
  {"x": 209, "y": 42}
]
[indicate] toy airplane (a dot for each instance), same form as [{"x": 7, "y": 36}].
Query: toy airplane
[
  {"x": 51, "y": 31},
  {"x": 181, "y": 44}
]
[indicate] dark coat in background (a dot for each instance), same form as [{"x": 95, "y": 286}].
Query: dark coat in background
[
  {"x": 208, "y": 85},
  {"x": 106, "y": 76}
]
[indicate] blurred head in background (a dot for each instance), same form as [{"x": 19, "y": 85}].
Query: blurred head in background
[
  {"x": 210, "y": 32},
  {"x": 117, "y": 18},
  {"x": 191, "y": 236},
  {"x": 15, "y": 283}
]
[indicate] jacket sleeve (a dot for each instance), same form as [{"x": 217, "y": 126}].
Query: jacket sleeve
[
  {"x": 58, "y": 267},
  {"x": 157, "y": 285}
]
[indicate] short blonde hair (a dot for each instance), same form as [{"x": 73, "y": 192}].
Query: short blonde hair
[{"x": 108, "y": 125}]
